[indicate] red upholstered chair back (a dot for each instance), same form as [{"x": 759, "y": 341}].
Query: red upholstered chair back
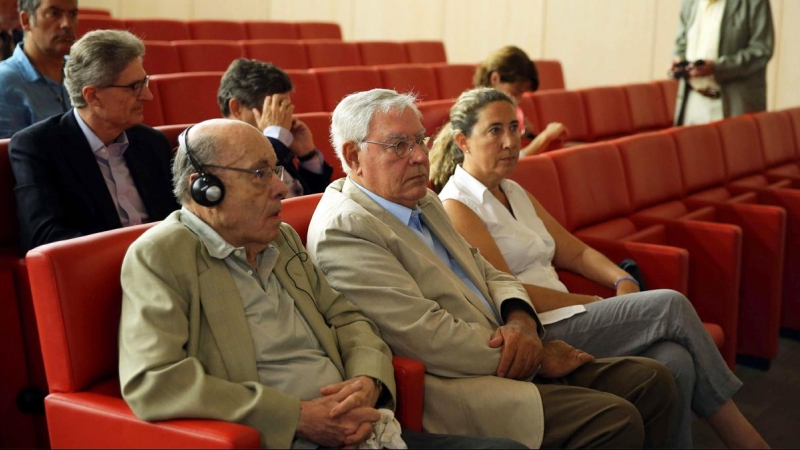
[
  {"x": 201, "y": 55},
  {"x": 188, "y": 97},
  {"x": 284, "y": 53},
  {"x": 319, "y": 30},
  {"x": 528, "y": 105},
  {"x": 538, "y": 175},
  {"x": 417, "y": 78},
  {"x": 670, "y": 90},
  {"x": 307, "y": 97},
  {"x": 159, "y": 29},
  {"x": 453, "y": 79},
  {"x": 297, "y": 212},
  {"x": 332, "y": 53},
  {"x": 741, "y": 148},
  {"x": 8, "y": 203},
  {"x": 777, "y": 140},
  {"x": 217, "y": 29},
  {"x": 565, "y": 107},
  {"x": 336, "y": 82},
  {"x": 270, "y": 30},
  {"x": 161, "y": 57},
  {"x": 320, "y": 125},
  {"x": 426, "y": 52},
  {"x": 172, "y": 132},
  {"x": 435, "y": 114},
  {"x": 701, "y": 160},
  {"x": 78, "y": 308},
  {"x": 794, "y": 116},
  {"x": 375, "y": 53},
  {"x": 652, "y": 167},
  {"x": 593, "y": 185},
  {"x": 551, "y": 75},
  {"x": 647, "y": 106},
  {"x": 607, "y": 112},
  {"x": 87, "y": 23}
]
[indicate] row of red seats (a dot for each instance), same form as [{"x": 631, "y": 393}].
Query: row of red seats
[
  {"x": 726, "y": 192},
  {"x": 177, "y": 30},
  {"x": 215, "y": 55}
]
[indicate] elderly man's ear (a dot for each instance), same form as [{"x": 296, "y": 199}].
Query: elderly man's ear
[{"x": 352, "y": 155}]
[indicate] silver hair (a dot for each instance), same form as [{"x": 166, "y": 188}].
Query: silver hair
[
  {"x": 202, "y": 148},
  {"x": 30, "y": 7},
  {"x": 353, "y": 115},
  {"x": 97, "y": 59}
]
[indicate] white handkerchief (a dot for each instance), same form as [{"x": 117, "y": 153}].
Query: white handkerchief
[
  {"x": 560, "y": 314},
  {"x": 385, "y": 432}
]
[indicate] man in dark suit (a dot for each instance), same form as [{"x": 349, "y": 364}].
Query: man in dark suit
[
  {"x": 94, "y": 168},
  {"x": 259, "y": 93}
]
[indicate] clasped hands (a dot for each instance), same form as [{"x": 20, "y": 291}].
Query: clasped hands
[
  {"x": 343, "y": 416},
  {"x": 523, "y": 354}
]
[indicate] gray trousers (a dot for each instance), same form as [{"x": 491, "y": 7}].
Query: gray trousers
[{"x": 663, "y": 325}]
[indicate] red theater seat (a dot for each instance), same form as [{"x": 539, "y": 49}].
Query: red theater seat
[
  {"x": 453, "y": 79},
  {"x": 565, "y": 107},
  {"x": 375, "y": 53},
  {"x": 172, "y": 132},
  {"x": 778, "y": 145},
  {"x": 337, "y": 82},
  {"x": 647, "y": 107},
  {"x": 598, "y": 207},
  {"x": 188, "y": 97},
  {"x": 551, "y": 76},
  {"x": 161, "y": 57},
  {"x": 159, "y": 29},
  {"x": 286, "y": 54},
  {"x": 435, "y": 114},
  {"x": 319, "y": 30},
  {"x": 271, "y": 30},
  {"x": 669, "y": 88},
  {"x": 87, "y": 23},
  {"x": 607, "y": 112},
  {"x": 332, "y": 53},
  {"x": 207, "y": 56},
  {"x": 426, "y": 52},
  {"x": 217, "y": 30},
  {"x": 306, "y": 97},
  {"x": 417, "y": 78}
]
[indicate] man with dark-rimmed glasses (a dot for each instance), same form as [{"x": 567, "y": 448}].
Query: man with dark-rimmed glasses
[{"x": 96, "y": 167}]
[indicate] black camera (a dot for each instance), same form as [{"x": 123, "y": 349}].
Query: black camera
[{"x": 680, "y": 68}]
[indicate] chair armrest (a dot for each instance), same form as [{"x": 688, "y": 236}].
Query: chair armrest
[
  {"x": 409, "y": 375},
  {"x": 90, "y": 420}
]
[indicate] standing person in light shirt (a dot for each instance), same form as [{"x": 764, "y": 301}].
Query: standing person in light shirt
[{"x": 721, "y": 55}]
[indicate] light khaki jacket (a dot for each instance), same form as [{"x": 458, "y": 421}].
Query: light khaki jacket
[
  {"x": 184, "y": 342},
  {"x": 746, "y": 42},
  {"x": 426, "y": 312}
]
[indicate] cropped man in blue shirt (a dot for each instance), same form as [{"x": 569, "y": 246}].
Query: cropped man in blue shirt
[{"x": 31, "y": 81}]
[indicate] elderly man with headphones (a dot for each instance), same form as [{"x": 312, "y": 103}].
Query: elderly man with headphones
[{"x": 225, "y": 317}]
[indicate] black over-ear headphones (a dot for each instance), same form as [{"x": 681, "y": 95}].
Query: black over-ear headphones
[{"x": 207, "y": 189}]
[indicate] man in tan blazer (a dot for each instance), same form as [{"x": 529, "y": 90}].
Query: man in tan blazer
[
  {"x": 224, "y": 317},
  {"x": 384, "y": 240}
]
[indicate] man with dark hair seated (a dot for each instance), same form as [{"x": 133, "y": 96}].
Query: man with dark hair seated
[
  {"x": 260, "y": 94},
  {"x": 95, "y": 167}
]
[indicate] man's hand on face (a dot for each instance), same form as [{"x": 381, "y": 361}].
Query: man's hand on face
[
  {"x": 303, "y": 142},
  {"x": 521, "y": 353},
  {"x": 277, "y": 110}
]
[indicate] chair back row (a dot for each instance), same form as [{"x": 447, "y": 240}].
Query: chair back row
[
  {"x": 174, "y": 30},
  {"x": 211, "y": 55}
]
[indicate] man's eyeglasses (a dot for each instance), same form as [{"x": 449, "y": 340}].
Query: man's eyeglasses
[
  {"x": 261, "y": 174},
  {"x": 404, "y": 148},
  {"x": 136, "y": 87}
]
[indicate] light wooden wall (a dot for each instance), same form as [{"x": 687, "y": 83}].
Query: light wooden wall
[{"x": 599, "y": 42}]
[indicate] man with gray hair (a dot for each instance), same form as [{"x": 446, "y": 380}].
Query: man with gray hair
[
  {"x": 95, "y": 167},
  {"x": 31, "y": 87},
  {"x": 384, "y": 240}
]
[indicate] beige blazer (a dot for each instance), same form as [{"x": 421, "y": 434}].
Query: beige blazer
[
  {"x": 184, "y": 342},
  {"x": 426, "y": 312},
  {"x": 746, "y": 42}
]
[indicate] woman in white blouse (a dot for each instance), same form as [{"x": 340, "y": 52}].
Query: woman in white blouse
[{"x": 470, "y": 161}]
